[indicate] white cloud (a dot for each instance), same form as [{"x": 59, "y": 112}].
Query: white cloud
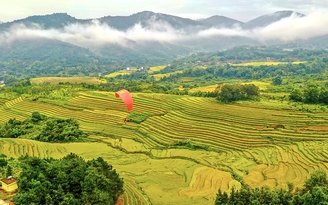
[
  {"x": 295, "y": 28},
  {"x": 96, "y": 34},
  {"x": 287, "y": 29}
]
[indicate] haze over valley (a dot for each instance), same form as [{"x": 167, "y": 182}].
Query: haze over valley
[{"x": 149, "y": 30}]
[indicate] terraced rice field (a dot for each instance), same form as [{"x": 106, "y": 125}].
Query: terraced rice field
[
  {"x": 121, "y": 72},
  {"x": 159, "y": 76},
  {"x": 212, "y": 88},
  {"x": 266, "y": 63},
  {"x": 156, "y": 68},
  {"x": 56, "y": 80},
  {"x": 237, "y": 139}
]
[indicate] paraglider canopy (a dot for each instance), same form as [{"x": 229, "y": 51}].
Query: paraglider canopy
[{"x": 126, "y": 97}]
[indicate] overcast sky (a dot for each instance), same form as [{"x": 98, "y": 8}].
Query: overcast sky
[{"x": 242, "y": 10}]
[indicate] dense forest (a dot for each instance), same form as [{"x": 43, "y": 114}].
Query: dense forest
[{"x": 74, "y": 61}]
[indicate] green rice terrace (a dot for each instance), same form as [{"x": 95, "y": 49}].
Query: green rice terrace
[{"x": 185, "y": 148}]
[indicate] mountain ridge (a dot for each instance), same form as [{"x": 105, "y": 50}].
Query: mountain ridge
[
  {"x": 143, "y": 38},
  {"x": 222, "y": 21},
  {"x": 267, "y": 19},
  {"x": 124, "y": 22}
]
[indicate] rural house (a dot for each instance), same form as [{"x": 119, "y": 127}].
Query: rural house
[{"x": 9, "y": 184}]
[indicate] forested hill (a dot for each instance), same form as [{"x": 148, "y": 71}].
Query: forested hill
[
  {"x": 255, "y": 53},
  {"x": 68, "y": 60},
  {"x": 141, "y": 39}
]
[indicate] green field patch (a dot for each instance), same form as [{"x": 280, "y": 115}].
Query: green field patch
[
  {"x": 159, "y": 76},
  {"x": 75, "y": 79},
  {"x": 262, "y": 85},
  {"x": 156, "y": 68},
  {"x": 137, "y": 117},
  {"x": 266, "y": 63},
  {"x": 126, "y": 71},
  {"x": 188, "y": 79},
  {"x": 208, "y": 88}
]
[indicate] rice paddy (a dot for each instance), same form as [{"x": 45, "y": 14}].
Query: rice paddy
[
  {"x": 56, "y": 80},
  {"x": 126, "y": 71},
  {"x": 188, "y": 147},
  {"x": 266, "y": 63}
]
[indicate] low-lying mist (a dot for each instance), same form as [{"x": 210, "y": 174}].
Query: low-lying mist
[{"x": 96, "y": 34}]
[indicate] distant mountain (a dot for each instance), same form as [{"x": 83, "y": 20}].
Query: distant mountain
[
  {"x": 267, "y": 19},
  {"x": 56, "y": 21},
  {"x": 147, "y": 48},
  {"x": 221, "y": 22},
  {"x": 147, "y": 18},
  {"x": 141, "y": 39}
]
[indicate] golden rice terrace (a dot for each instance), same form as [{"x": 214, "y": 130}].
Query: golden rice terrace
[{"x": 188, "y": 148}]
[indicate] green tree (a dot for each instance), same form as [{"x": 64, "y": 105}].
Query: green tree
[
  {"x": 311, "y": 94},
  {"x": 250, "y": 90},
  {"x": 70, "y": 180},
  {"x": 296, "y": 95},
  {"x": 221, "y": 198},
  {"x": 235, "y": 92},
  {"x": 61, "y": 130},
  {"x": 36, "y": 117},
  {"x": 9, "y": 171},
  {"x": 318, "y": 178},
  {"x": 277, "y": 80},
  {"x": 323, "y": 96},
  {"x": 230, "y": 93}
]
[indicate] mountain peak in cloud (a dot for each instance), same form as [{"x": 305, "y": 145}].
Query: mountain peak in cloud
[
  {"x": 146, "y": 18},
  {"x": 265, "y": 20},
  {"x": 150, "y": 28},
  {"x": 221, "y": 21},
  {"x": 55, "y": 21}
]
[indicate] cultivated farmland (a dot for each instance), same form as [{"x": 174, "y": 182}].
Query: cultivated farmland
[
  {"x": 188, "y": 148},
  {"x": 56, "y": 80},
  {"x": 266, "y": 63}
]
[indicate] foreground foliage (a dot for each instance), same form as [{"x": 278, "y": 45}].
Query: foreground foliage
[
  {"x": 70, "y": 180},
  {"x": 315, "y": 191}
]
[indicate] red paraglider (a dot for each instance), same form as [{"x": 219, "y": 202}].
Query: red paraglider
[{"x": 126, "y": 97}]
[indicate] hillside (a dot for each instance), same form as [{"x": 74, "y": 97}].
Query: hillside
[
  {"x": 141, "y": 39},
  {"x": 146, "y": 18},
  {"x": 188, "y": 147},
  {"x": 181, "y": 143},
  {"x": 57, "y": 20}
]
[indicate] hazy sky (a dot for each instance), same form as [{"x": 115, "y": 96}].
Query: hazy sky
[{"x": 243, "y": 10}]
